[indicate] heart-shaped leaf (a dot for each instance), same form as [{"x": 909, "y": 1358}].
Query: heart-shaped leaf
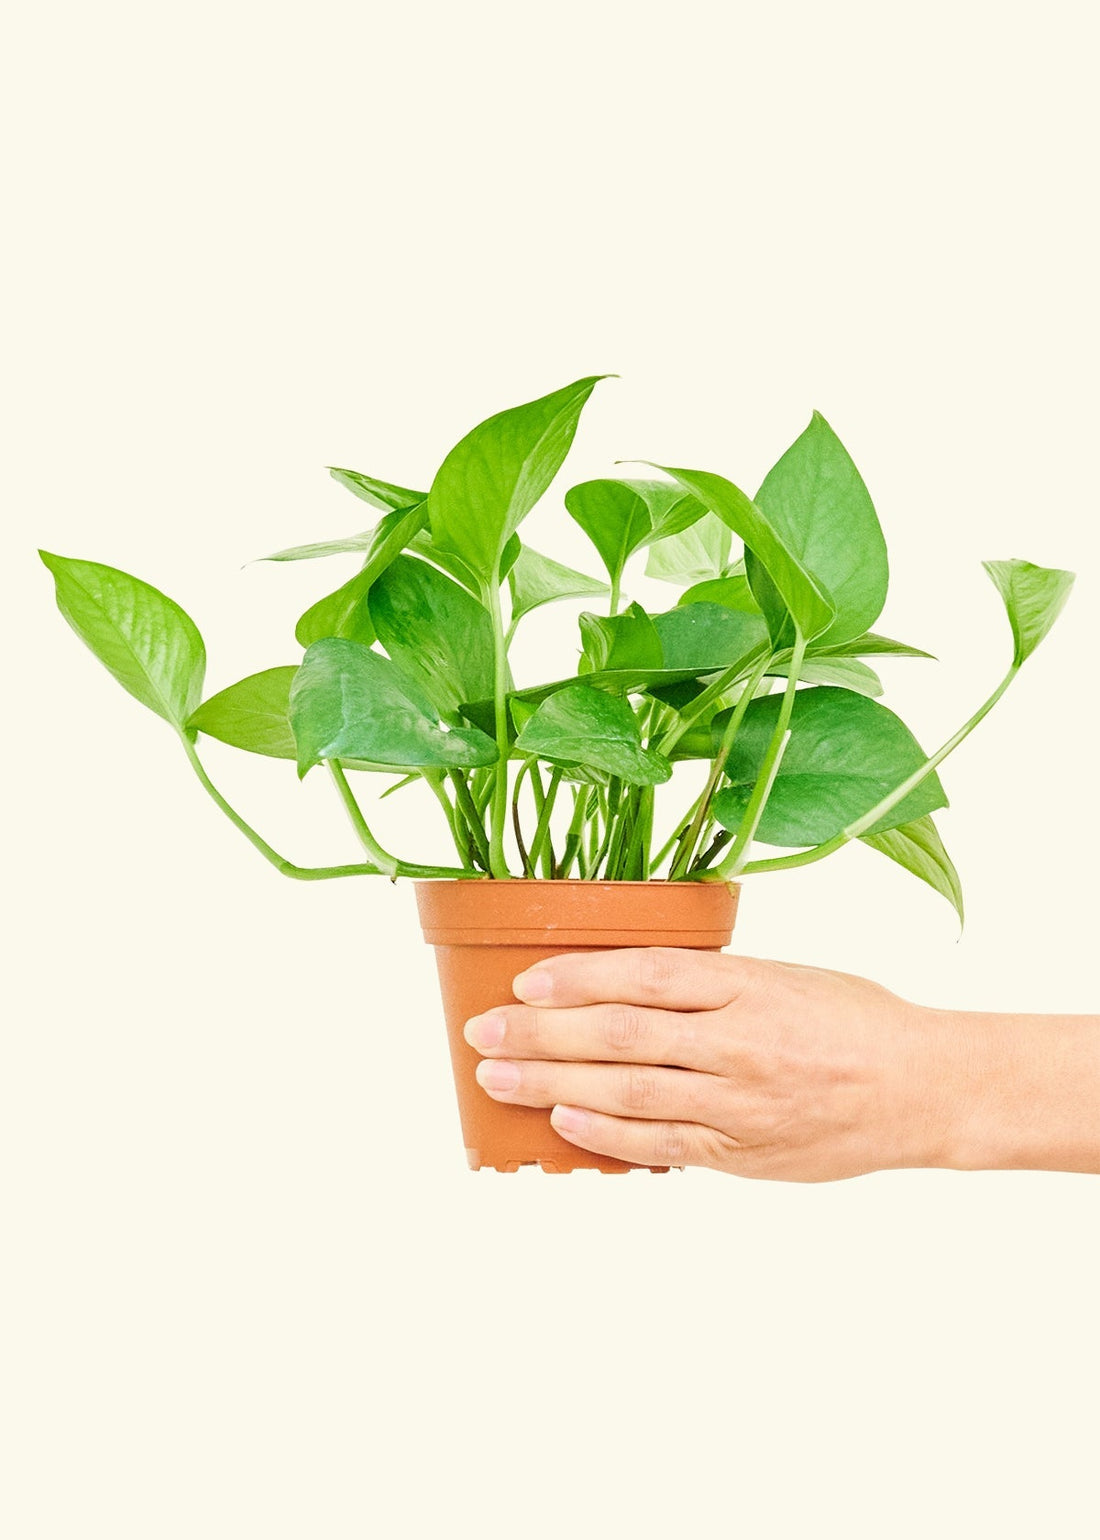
[
  {"x": 151, "y": 646},
  {"x": 1034, "y": 598},
  {"x": 918, "y": 847},
  {"x": 620, "y": 516},
  {"x": 493, "y": 477},
  {"x": 347, "y": 702},
  {"x": 844, "y": 755},
  {"x": 598, "y": 731},
  {"x": 435, "y": 631},
  {"x": 253, "y": 714},
  {"x": 815, "y": 501}
]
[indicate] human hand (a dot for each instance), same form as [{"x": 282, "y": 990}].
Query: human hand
[{"x": 665, "y": 1056}]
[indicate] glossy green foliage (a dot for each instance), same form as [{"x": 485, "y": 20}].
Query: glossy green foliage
[
  {"x": 1034, "y": 598},
  {"x": 347, "y": 702},
  {"x": 588, "y": 727},
  {"x": 917, "y": 847},
  {"x": 253, "y": 714},
  {"x": 438, "y": 633},
  {"x": 346, "y": 612},
  {"x": 535, "y": 580},
  {"x": 793, "y": 591},
  {"x": 151, "y": 646},
  {"x": 844, "y": 754},
  {"x": 493, "y": 477},
  {"x": 407, "y": 669},
  {"x": 815, "y": 501},
  {"x": 620, "y": 517},
  {"x": 699, "y": 554}
]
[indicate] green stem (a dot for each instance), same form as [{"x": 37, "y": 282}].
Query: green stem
[
  {"x": 718, "y": 768},
  {"x": 498, "y": 861},
  {"x": 691, "y": 714},
  {"x": 434, "y": 779},
  {"x": 383, "y": 860},
  {"x": 613, "y": 602},
  {"x": 541, "y": 840},
  {"x": 473, "y": 819},
  {"x": 773, "y": 758},
  {"x": 305, "y": 873},
  {"x": 868, "y": 820}
]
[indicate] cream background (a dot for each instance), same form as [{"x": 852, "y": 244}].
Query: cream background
[{"x": 249, "y": 241}]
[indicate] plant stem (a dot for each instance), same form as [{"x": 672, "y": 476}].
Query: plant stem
[
  {"x": 304, "y": 873},
  {"x": 541, "y": 840},
  {"x": 434, "y": 779},
  {"x": 725, "y": 681},
  {"x": 498, "y": 861},
  {"x": 613, "y": 602},
  {"x": 473, "y": 820},
  {"x": 718, "y": 768},
  {"x": 773, "y": 758},
  {"x": 382, "y": 859}
]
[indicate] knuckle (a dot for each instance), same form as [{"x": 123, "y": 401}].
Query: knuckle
[
  {"x": 672, "y": 1144},
  {"x": 638, "y": 1088},
  {"x": 656, "y": 970},
  {"x": 624, "y": 1028}
]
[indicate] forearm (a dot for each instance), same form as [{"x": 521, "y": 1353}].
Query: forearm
[{"x": 1024, "y": 1093}]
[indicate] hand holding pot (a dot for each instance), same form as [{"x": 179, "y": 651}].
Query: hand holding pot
[{"x": 665, "y": 1056}]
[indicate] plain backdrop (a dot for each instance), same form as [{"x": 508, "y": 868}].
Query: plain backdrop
[{"x": 249, "y": 1288}]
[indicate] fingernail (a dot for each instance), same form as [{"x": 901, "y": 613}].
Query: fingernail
[
  {"x": 498, "y": 1075},
  {"x": 532, "y": 986},
  {"x": 569, "y": 1120},
  {"x": 485, "y": 1032}
]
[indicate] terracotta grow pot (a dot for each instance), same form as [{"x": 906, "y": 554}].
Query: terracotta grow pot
[{"x": 486, "y": 932}]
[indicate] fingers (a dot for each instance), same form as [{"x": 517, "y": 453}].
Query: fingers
[
  {"x": 630, "y": 1090},
  {"x": 675, "y": 978},
  {"x": 642, "y": 1142},
  {"x": 630, "y": 1034}
]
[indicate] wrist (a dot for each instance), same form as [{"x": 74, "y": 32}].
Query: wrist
[{"x": 1016, "y": 1092}]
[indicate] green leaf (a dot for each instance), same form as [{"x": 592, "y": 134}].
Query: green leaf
[
  {"x": 870, "y": 645},
  {"x": 847, "y": 672},
  {"x": 844, "y": 755},
  {"x": 253, "y": 714},
  {"x": 346, "y": 612},
  {"x": 380, "y": 494},
  {"x": 597, "y": 731},
  {"x": 732, "y": 590},
  {"x": 435, "y": 631},
  {"x": 698, "y": 554},
  {"x": 816, "y": 502},
  {"x": 493, "y": 477},
  {"x": 349, "y": 702},
  {"x": 626, "y": 641},
  {"x": 349, "y": 543},
  {"x": 151, "y": 646},
  {"x": 918, "y": 847},
  {"x": 708, "y": 637},
  {"x": 793, "y": 588},
  {"x": 536, "y": 580},
  {"x": 620, "y": 517},
  {"x": 1034, "y": 598}
]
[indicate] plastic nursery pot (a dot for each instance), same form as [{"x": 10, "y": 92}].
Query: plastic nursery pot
[{"x": 485, "y": 932}]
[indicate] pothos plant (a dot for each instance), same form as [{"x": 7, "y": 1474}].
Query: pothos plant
[{"x": 758, "y": 669}]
